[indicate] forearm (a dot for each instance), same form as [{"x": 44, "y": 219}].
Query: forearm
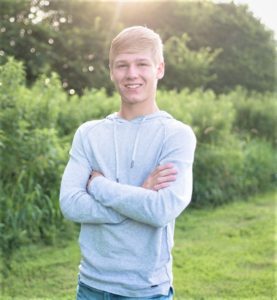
[
  {"x": 82, "y": 208},
  {"x": 155, "y": 208},
  {"x": 75, "y": 202}
]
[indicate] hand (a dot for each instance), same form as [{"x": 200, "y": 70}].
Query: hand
[
  {"x": 160, "y": 178},
  {"x": 93, "y": 175}
]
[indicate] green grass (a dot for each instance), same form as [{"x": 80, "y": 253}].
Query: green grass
[{"x": 225, "y": 253}]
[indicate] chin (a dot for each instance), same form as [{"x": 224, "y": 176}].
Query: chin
[{"x": 131, "y": 100}]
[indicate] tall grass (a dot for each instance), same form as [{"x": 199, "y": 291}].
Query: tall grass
[{"x": 37, "y": 124}]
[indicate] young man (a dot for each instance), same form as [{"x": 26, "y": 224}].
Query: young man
[{"x": 128, "y": 178}]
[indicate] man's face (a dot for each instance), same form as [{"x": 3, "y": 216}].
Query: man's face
[{"x": 135, "y": 76}]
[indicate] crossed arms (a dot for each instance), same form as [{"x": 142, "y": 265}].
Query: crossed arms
[{"x": 88, "y": 197}]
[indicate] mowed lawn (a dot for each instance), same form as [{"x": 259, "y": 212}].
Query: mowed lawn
[{"x": 222, "y": 253}]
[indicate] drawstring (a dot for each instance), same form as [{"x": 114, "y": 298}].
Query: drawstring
[
  {"x": 136, "y": 144},
  {"x": 116, "y": 152},
  {"x": 116, "y": 148}
]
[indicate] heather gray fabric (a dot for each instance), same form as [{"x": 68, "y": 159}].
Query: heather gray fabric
[{"x": 127, "y": 231}]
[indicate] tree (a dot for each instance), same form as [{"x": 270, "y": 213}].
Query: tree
[
  {"x": 187, "y": 68},
  {"x": 72, "y": 38},
  {"x": 24, "y": 36},
  {"x": 248, "y": 48},
  {"x": 82, "y": 43}
]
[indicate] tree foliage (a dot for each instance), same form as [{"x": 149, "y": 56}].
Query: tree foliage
[
  {"x": 249, "y": 50},
  {"x": 23, "y": 38},
  {"x": 72, "y": 38},
  {"x": 187, "y": 68}
]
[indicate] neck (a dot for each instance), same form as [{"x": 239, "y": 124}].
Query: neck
[{"x": 129, "y": 112}]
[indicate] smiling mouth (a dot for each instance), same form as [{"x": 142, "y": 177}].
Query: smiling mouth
[{"x": 133, "y": 86}]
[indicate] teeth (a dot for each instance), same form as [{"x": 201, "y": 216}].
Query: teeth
[{"x": 132, "y": 86}]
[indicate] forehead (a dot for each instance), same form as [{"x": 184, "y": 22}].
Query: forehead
[{"x": 130, "y": 56}]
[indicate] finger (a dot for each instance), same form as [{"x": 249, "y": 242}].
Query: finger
[
  {"x": 162, "y": 168},
  {"x": 165, "y": 166},
  {"x": 166, "y": 172},
  {"x": 169, "y": 178},
  {"x": 161, "y": 186}
]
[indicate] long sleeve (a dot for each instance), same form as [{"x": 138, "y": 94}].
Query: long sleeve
[
  {"x": 75, "y": 202},
  {"x": 150, "y": 207}
]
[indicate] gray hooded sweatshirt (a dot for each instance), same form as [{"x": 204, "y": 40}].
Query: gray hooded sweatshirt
[{"x": 127, "y": 231}]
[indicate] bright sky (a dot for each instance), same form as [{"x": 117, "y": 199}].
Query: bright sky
[{"x": 265, "y": 10}]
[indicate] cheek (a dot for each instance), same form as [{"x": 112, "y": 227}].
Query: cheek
[
  {"x": 115, "y": 75},
  {"x": 115, "y": 78}
]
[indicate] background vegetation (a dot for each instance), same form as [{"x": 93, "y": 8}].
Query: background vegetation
[
  {"x": 222, "y": 253},
  {"x": 37, "y": 125},
  {"x": 53, "y": 76},
  {"x": 217, "y": 46}
]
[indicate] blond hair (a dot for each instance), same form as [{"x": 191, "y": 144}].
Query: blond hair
[{"x": 135, "y": 39}]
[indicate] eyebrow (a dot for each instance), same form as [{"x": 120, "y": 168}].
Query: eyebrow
[{"x": 120, "y": 61}]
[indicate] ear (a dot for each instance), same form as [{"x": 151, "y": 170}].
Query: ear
[{"x": 160, "y": 70}]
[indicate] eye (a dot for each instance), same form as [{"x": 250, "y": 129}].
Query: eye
[
  {"x": 143, "y": 64},
  {"x": 120, "y": 66}
]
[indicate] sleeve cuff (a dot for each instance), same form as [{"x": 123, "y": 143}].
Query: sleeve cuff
[{"x": 93, "y": 185}]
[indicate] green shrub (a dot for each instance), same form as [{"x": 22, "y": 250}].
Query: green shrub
[
  {"x": 260, "y": 163},
  {"x": 37, "y": 125},
  {"x": 211, "y": 119},
  {"x": 256, "y": 114},
  {"x": 233, "y": 170},
  {"x": 94, "y": 104},
  {"x": 32, "y": 160},
  {"x": 217, "y": 173}
]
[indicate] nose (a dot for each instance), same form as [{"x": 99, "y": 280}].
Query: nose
[{"x": 132, "y": 72}]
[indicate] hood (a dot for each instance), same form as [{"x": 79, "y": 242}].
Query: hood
[{"x": 115, "y": 118}]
